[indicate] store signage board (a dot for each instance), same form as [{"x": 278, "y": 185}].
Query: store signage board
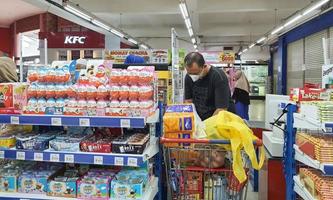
[
  {"x": 159, "y": 56},
  {"x": 119, "y": 56},
  {"x": 327, "y": 75},
  {"x": 218, "y": 57},
  {"x": 74, "y": 40}
]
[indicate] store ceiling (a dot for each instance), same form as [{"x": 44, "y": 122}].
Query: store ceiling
[
  {"x": 216, "y": 22},
  {"x": 12, "y": 10}
]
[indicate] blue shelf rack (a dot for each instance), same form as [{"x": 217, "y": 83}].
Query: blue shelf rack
[{"x": 89, "y": 121}]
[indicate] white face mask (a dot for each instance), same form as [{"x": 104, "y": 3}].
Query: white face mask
[{"x": 194, "y": 77}]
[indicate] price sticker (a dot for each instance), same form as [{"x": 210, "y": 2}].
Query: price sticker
[
  {"x": 54, "y": 157},
  {"x": 56, "y": 121},
  {"x": 98, "y": 160},
  {"x": 14, "y": 120},
  {"x": 133, "y": 162},
  {"x": 20, "y": 155},
  {"x": 119, "y": 161},
  {"x": 84, "y": 122},
  {"x": 38, "y": 156},
  {"x": 125, "y": 123},
  {"x": 2, "y": 154},
  {"x": 69, "y": 158}
]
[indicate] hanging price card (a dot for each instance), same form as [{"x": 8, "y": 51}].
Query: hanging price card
[
  {"x": 56, "y": 121},
  {"x": 69, "y": 158},
  {"x": 84, "y": 122},
  {"x": 14, "y": 120},
  {"x": 20, "y": 155},
  {"x": 54, "y": 157},
  {"x": 98, "y": 160},
  {"x": 125, "y": 123},
  {"x": 119, "y": 161},
  {"x": 38, "y": 156},
  {"x": 133, "y": 162}
]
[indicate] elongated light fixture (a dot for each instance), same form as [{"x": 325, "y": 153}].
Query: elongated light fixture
[
  {"x": 193, "y": 40},
  {"x": 245, "y": 50},
  {"x": 183, "y": 10},
  {"x": 195, "y": 46},
  {"x": 190, "y": 32},
  {"x": 315, "y": 6},
  {"x": 293, "y": 20},
  {"x": 261, "y": 40},
  {"x": 278, "y": 29},
  {"x": 132, "y": 40},
  {"x": 143, "y": 46},
  {"x": 117, "y": 33},
  {"x": 101, "y": 24},
  {"x": 77, "y": 12},
  {"x": 252, "y": 45}
]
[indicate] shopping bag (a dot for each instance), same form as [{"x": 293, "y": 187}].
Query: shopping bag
[{"x": 228, "y": 126}]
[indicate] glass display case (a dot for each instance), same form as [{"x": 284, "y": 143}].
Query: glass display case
[{"x": 257, "y": 76}]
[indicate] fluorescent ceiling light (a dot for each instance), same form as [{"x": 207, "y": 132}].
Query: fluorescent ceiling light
[
  {"x": 294, "y": 19},
  {"x": 117, "y": 33},
  {"x": 278, "y": 29},
  {"x": 261, "y": 39},
  {"x": 132, "y": 40},
  {"x": 315, "y": 6},
  {"x": 195, "y": 46},
  {"x": 188, "y": 23},
  {"x": 252, "y": 45},
  {"x": 190, "y": 32},
  {"x": 240, "y": 53},
  {"x": 144, "y": 46},
  {"x": 245, "y": 50},
  {"x": 183, "y": 10},
  {"x": 193, "y": 40},
  {"x": 77, "y": 12},
  {"x": 101, "y": 24}
]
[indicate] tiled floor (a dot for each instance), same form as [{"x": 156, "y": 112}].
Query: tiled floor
[{"x": 252, "y": 195}]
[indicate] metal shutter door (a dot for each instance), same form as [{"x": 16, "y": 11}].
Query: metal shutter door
[
  {"x": 331, "y": 45},
  {"x": 275, "y": 71},
  {"x": 314, "y": 58},
  {"x": 295, "y": 59}
]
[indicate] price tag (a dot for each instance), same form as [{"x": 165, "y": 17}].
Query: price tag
[
  {"x": 2, "y": 154},
  {"x": 69, "y": 158},
  {"x": 20, "y": 155},
  {"x": 54, "y": 157},
  {"x": 84, "y": 122},
  {"x": 98, "y": 160},
  {"x": 133, "y": 162},
  {"x": 119, "y": 161},
  {"x": 38, "y": 156},
  {"x": 125, "y": 123},
  {"x": 56, "y": 121},
  {"x": 14, "y": 120}
]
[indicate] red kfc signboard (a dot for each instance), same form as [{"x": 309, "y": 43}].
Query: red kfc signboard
[{"x": 73, "y": 40}]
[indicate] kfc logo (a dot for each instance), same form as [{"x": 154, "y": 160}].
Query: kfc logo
[{"x": 74, "y": 40}]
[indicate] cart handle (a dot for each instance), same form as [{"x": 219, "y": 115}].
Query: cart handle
[{"x": 163, "y": 140}]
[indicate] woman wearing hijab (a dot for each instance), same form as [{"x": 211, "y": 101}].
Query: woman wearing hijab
[
  {"x": 7, "y": 70},
  {"x": 241, "y": 95}
]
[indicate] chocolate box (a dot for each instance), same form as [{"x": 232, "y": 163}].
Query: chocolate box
[{"x": 134, "y": 144}]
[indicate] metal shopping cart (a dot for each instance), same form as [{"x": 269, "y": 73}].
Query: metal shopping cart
[{"x": 202, "y": 170}]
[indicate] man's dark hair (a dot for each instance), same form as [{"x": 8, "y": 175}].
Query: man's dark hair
[{"x": 194, "y": 57}]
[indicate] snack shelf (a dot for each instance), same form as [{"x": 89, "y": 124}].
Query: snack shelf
[
  {"x": 86, "y": 121},
  {"x": 150, "y": 193},
  {"x": 305, "y": 122},
  {"x": 326, "y": 168},
  {"x": 301, "y": 190},
  {"x": 117, "y": 159}
]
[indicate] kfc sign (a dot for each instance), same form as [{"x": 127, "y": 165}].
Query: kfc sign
[{"x": 74, "y": 40}]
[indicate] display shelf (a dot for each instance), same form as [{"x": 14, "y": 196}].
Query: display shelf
[
  {"x": 306, "y": 122},
  {"x": 86, "y": 121},
  {"x": 301, "y": 190},
  {"x": 327, "y": 169},
  {"x": 133, "y": 160},
  {"x": 149, "y": 194}
]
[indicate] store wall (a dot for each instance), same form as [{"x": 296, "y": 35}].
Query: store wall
[{"x": 6, "y": 41}]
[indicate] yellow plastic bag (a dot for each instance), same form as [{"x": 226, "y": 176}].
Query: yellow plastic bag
[{"x": 228, "y": 126}]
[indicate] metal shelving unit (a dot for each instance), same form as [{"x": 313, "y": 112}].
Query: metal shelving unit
[{"x": 132, "y": 160}]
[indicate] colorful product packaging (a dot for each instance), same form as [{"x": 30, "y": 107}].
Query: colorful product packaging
[
  {"x": 8, "y": 180},
  {"x": 13, "y": 97},
  {"x": 64, "y": 185}
]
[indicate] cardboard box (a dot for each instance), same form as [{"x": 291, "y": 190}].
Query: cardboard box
[{"x": 13, "y": 97}]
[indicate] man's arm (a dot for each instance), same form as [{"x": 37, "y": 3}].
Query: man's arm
[
  {"x": 188, "y": 89},
  {"x": 222, "y": 92}
]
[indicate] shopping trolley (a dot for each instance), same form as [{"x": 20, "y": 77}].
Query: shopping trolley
[{"x": 199, "y": 169}]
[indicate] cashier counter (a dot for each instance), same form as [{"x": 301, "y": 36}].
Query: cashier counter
[{"x": 271, "y": 176}]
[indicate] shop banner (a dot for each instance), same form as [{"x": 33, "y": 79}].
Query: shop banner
[
  {"x": 327, "y": 76},
  {"x": 218, "y": 57},
  {"x": 71, "y": 40},
  {"x": 150, "y": 56}
]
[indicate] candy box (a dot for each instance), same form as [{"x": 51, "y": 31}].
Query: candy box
[
  {"x": 29, "y": 183},
  {"x": 134, "y": 144},
  {"x": 124, "y": 190},
  {"x": 65, "y": 187},
  {"x": 7, "y": 140},
  {"x": 8, "y": 180},
  {"x": 93, "y": 188},
  {"x": 13, "y": 97}
]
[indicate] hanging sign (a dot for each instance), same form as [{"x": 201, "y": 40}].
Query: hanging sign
[
  {"x": 119, "y": 56},
  {"x": 218, "y": 57},
  {"x": 327, "y": 76}
]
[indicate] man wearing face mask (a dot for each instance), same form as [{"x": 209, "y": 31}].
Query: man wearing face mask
[{"x": 206, "y": 87}]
